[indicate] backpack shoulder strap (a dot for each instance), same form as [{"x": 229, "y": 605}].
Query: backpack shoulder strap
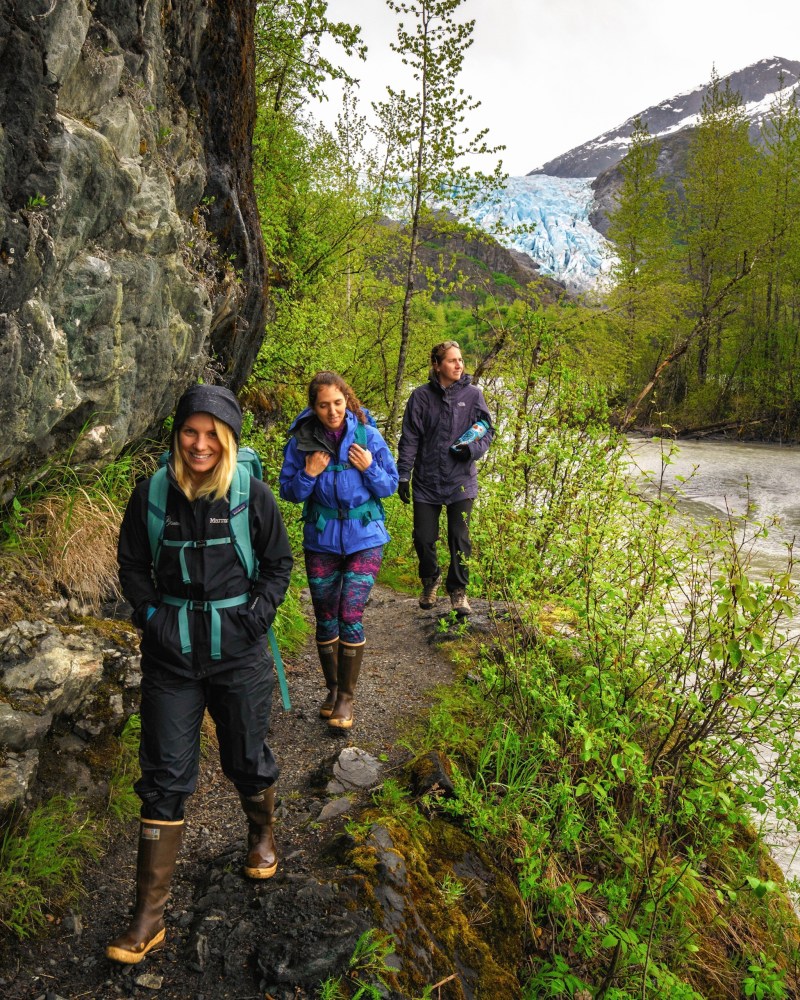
[
  {"x": 157, "y": 490},
  {"x": 239, "y": 519},
  {"x": 361, "y": 435}
]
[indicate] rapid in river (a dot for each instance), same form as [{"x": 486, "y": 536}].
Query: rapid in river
[{"x": 723, "y": 477}]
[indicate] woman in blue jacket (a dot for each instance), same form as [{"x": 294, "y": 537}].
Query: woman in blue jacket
[{"x": 339, "y": 467}]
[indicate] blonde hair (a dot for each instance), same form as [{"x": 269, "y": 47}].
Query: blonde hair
[{"x": 216, "y": 485}]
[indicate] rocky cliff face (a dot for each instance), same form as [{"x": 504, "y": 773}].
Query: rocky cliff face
[{"x": 130, "y": 251}]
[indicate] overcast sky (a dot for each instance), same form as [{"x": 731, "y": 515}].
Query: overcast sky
[{"x": 552, "y": 74}]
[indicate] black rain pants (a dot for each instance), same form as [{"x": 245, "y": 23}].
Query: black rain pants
[
  {"x": 239, "y": 701},
  {"x": 426, "y": 534}
]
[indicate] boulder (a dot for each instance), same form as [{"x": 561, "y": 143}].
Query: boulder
[{"x": 17, "y": 773}]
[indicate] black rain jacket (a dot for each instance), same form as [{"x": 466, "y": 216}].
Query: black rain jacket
[{"x": 216, "y": 573}]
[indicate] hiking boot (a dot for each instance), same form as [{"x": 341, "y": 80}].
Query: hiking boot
[
  {"x": 430, "y": 585},
  {"x": 459, "y": 602},
  {"x": 328, "y": 656},
  {"x": 350, "y": 658}
]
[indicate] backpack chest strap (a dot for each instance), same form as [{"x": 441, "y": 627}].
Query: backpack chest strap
[{"x": 186, "y": 604}]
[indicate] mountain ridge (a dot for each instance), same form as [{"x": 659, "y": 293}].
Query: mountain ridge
[
  {"x": 564, "y": 206},
  {"x": 757, "y": 84}
]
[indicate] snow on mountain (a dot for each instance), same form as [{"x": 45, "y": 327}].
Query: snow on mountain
[
  {"x": 557, "y": 198},
  {"x": 551, "y": 215},
  {"x": 758, "y": 85}
]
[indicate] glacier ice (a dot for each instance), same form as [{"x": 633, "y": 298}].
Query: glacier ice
[{"x": 561, "y": 238}]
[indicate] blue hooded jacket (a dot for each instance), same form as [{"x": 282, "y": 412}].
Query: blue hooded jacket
[{"x": 340, "y": 487}]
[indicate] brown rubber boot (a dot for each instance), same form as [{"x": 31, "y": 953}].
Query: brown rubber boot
[
  {"x": 350, "y": 658},
  {"x": 328, "y": 656},
  {"x": 159, "y": 843},
  {"x": 262, "y": 856},
  {"x": 430, "y": 586}
]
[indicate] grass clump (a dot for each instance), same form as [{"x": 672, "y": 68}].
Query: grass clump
[
  {"x": 368, "y": 975},
  {"x": 43, "y": 857},
  {"x": 41, "y": 864},
  {"x": 123, "y": 802},
  {"x": 62, "y": 526}
]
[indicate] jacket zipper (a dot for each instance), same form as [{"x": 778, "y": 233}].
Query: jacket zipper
[{"x": 336, "y": 493}]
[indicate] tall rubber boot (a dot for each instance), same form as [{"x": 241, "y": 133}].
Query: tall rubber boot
[
  {"x": 328, "y": 653},
  {"x": 262, "y": 856},
  {"x": 159, "y": 843},
  {"x": 350, "y": 658}
]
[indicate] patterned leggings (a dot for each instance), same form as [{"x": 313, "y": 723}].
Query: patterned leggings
[{"x": 340, "y": 588}]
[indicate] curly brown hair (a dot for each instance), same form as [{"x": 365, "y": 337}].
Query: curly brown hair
[{"x": 332, "y": 378}]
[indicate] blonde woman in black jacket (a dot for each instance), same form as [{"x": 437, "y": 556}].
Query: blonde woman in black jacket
[{"x": 203, "y": 623}]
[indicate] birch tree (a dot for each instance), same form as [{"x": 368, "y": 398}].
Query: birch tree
[{"x": 428, "y": 141}]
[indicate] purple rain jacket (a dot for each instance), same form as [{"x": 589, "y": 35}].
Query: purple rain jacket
[{"x": 434, "y": 419}]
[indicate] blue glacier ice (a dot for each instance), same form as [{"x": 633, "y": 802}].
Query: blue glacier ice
[{"x": 562, "y": 241}]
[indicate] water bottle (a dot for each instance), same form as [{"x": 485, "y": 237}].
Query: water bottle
[{"x": 474, "y": 433}]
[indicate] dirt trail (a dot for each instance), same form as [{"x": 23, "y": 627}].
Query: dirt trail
[{"x": 215, "y": 915}]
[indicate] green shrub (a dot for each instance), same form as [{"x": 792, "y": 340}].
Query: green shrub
[{"x": 639, "y": 716}]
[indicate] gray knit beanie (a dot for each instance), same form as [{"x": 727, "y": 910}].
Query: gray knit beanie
[{"x": 213, "y": 399}]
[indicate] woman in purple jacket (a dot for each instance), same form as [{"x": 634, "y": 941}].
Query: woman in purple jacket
[{"x": 436, "y": 416}]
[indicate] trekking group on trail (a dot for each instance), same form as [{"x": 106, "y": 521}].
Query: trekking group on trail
[{"x": 205, "y": 562}]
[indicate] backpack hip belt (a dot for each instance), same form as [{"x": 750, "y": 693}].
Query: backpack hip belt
[
  {"x": 318, "y": 515},
  {"x": 186, "y": 604}
]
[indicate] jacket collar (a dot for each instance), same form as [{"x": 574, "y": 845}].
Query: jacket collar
[
  {"x": 435, "y": 384},
  {"x": 310, "y": 435}
]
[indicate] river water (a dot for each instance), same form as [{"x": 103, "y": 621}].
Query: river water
[
  {"x": 720, "y": 478},
  {"x": 724, "y": 477}
]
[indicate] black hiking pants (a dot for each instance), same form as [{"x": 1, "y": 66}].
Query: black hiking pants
[
  {"x": 426, "y": 535},
  {"x": 239, "y": 701}
]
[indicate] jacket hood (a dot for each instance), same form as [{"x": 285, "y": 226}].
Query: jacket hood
[{"x": 306, "y": 414}]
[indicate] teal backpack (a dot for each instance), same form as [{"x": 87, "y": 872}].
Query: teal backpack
[
  {"x": 248, "y": 466},
  {"x": 372, "y": 510}
]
